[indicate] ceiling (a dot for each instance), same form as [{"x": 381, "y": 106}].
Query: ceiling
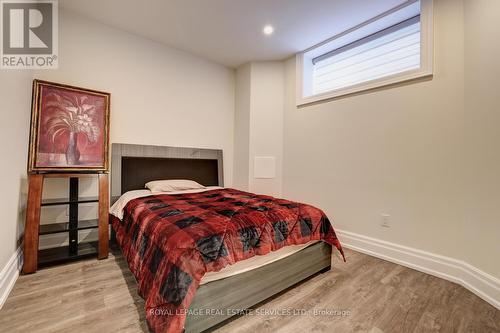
[{"x": 229, "y": 32}]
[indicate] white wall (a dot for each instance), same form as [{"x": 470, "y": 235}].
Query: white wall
[
  {"x": 15, "y": 110},
  {"x": 260, "y": 96},
  {"x": 482, "y": 118},
  {"x": 242, "y": 128},
  {"x": 266, "y": 123},
  {"x": 426, "y": 153},
  {"x": 159, "y": 96},
  {"x": 395, "y": 151}
]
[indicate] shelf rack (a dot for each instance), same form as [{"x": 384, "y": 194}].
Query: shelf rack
[{"x": 34, "y": 257}]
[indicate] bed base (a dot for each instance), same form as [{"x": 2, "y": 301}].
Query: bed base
[
  {"x": 134, "y": 165},
  {"x": 222, "y": 299}
]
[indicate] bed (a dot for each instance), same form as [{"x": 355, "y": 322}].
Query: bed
[{"x": 223, "y": 250}]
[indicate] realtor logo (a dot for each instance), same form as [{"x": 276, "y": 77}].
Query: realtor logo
[{"x": 29, "y": 34}]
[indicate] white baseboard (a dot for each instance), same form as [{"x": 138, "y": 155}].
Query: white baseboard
[
  {"x": 9, "y": 275},
  {"x": 480, "y": 283}
]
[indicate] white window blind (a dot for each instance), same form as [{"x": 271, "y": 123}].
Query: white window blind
[{"x": 391, "y": 51}]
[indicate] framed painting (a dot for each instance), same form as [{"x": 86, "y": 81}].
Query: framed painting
[{"x": 69, "y": 129}]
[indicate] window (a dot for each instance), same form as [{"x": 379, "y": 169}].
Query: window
[
  {"x": 390, "y": 48},
  {"x": 387, "y": 52}
]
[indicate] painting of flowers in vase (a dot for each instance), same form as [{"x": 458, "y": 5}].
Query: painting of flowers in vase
[{"x": 69, "y": 128}]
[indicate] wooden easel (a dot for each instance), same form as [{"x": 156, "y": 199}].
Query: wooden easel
[{"x": 73, "y": 250}]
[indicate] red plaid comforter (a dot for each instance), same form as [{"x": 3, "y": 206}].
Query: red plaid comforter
[{"x": 171, "y": 241}]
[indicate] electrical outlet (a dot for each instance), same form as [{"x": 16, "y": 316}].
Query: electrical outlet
[{"x": 385, "y": 222}]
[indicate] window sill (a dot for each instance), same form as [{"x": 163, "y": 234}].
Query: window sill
[{"x": 364, "y": 87}]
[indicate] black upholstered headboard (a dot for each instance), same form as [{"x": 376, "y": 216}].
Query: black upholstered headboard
[
  {"x": 134, "y": 165},
  {"x": 137, "y": 171}
]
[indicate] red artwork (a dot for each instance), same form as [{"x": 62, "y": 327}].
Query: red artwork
[{"x": 71, "y": 128}]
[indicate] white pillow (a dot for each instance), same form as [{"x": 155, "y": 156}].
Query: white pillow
[{"x": 171, "y": 185}]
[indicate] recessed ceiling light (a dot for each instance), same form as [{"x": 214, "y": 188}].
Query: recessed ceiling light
[{"x": 268, "y": 30}]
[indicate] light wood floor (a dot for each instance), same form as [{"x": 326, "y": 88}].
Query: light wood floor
[{"x": 100, "y": 296}]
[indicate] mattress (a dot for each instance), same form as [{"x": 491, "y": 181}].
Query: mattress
[
  {"x": 171, "y": 242},
  {"x": 231, "y": 270},
  {"x": 253, "y": 263}
]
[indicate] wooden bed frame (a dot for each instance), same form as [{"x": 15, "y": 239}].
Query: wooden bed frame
[{"x": 134, "y": 165}]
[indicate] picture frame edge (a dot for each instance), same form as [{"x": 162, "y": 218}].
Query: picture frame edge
[{"x": 35, "y": 115}]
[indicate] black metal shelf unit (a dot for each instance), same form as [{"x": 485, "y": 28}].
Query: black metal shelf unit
[
  {"x": 74, "y": 250},
  {"x": 67, "y": 201}
]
